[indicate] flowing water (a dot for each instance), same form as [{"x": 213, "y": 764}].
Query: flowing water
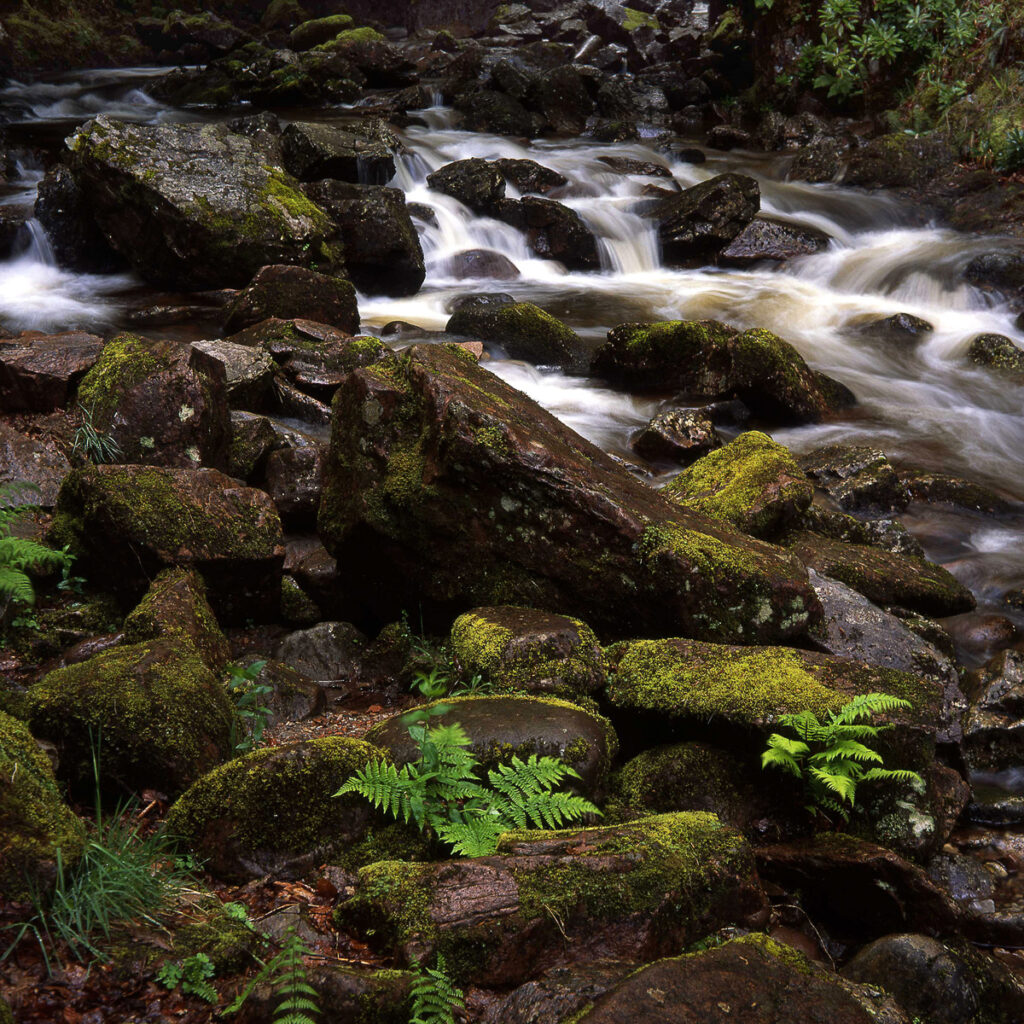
[{"x": 922, "y": 403}]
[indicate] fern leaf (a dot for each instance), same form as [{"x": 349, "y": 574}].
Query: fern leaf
[
  {"x": 847, "y": 749},
  {"x": 890, "y": 775},
  {"x": 475, "y": 838},
  {"x": 843, "y": 785},
  {"x": 867, "y": 704},
  {"x": 16, "y": 586}
]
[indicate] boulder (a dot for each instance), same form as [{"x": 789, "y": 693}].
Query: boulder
[
  {"x": 487, "y": 110},
  {"x": 65, "y": 211},
  {"x": 636, "y": 890},
  {"x": 294, "y": 480},
  {"x": 712, "y": 360},
  {"x": 361, "y": 153},
  {"x": 157, "y": 406},
  {"x": 941, "y": 489},
  {"x": 38, "y": 373},
  {"x": 523, "y": 649},
  {"x": 318, "y": 30},
  {"x": 886, "y": 534},
  {"x": 994, "y": 724},
  {"x": 524, "y": 331},
  {"x": 447, "y": 488},
  {"x": 252, "y": 440},
  {"x": 382, "y": 249},
  {"x": 858, "y": 479},
  {"x": 293, "y": 697},
  {"x": 554, "y": 232},
  {"x": 287, "y": 293},
  {"x": 766, "y": 239},
  {"x": 752, "y": 483},
  {"x": 481, "y": 263},
  {"x": 884, "y": 577},
  {"x": 679, "y": 435},
  {"x": 998, "y": 353},
  {"x": 272, "y": 811},
  {"x": 383, "y": 66},
  {"x": 195, "y": 206},
  {"x": 35, "y": 824},
  {"x": 899, "y": 160},
  {"x": 161, "y": 716},
  {"x": 126, "y": 523},
  {"x": 561, "y": 95},
  {"x": 900, "y": 328},
  {"x": 35, "y": 461},
  {"x": 530, "y": 176},
  {"x": 518, "y": 725},
  {"x": 327, "y": 652},
  {"x": 248, "y": 373},
  {"x": 475, "y": 183},
  {"x": 558, "y": 993}
]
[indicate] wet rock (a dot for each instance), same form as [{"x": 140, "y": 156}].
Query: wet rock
[
  {"x": 713, "y": 360},
  {"x": 294, "y": 480},
  {"x": 362, "y": 153},
  {"x": 563, "y": 99},
  {"x": 727, "y": 136},
  {"x": 318, "y": 30},
  {"x": 858, "y": 479},
  {"x": 637, "y": 890},
  {"x": 247, "y": 372},
  {"x": 34, "y": 461},
  {"x": 383, "y": 65},
  {"x": 382, "y": 249},
  {"x": 996, "y": 352},
  {"x": 39, "y": 372},
  {"x": 482, "y": 263},
  {"x": 764, "y": 239},
  {"x": 556, "y": 232},
  {"x": 297, "y": 607},
  {"x": 518, "y": 725},
  {"x": 627, "y": 165},
  {"x": 884, "y": 534},
  {"x": 293, "y": 697},
  {"x": 899, "y": 160},
  {"x": 271, "y": 811},
  {"x": 487, "y": 110},
  {"x": 885, "y": 578},
  {"x": 557, "y": 994},
  {"x": 962, "y": 876},
  {"x": 318, "y": 369},
  {"x": 475, "y": 183},
  {"x": 126, "y": 523},
  {"x": 164, "y": 716},
  {"x": 754, "y": 978},
  {"x": 980, "y": 635},
  {"x": 938, "y": 488},
  {"x": 252, "y": 440},
  {"x": 530, "y": 176},
  {"x": 900, "y": 328},
  {"x": 524, "y": 331},
  {"x": 286, "y": 292},
  {"x": 752, "y": 483},
  {"x": 994, "y": 725},
  {"x": 679, "y": 435},
  {"x": 327, "y": 652},
  {"x": 522, "y": 649},
  {"x": 194, "y": 205},
  {"x": 823, "y": 160},
  {"x": 293, "y": 403},
  {"x": 201, "y": 35},
  {"x": 538, "y": 492},
  {"x": 13, "y": 230}
]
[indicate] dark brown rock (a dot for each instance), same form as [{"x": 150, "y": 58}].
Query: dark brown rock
[
  {"x": 679, "y": 435},
  {"x": 34, "y": 461},
  {"x": 476, "y": 183},
  {"x": 858, "y": 479},
  {"x": 994, "y": 724},
  {"x": 530, "y": 176},
  {"x": 286, "y": 292},
  {"x": 294, "y": 480},
  {"x": 361, "y": 153},
  {"x": 556, "y": 232},
  {"x": 39, "y": 372},
  {"x": 765, "y": 239},
  {"x": 482, "y": 263}
]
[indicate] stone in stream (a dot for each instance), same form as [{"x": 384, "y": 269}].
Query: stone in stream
[
  {"x": 294, "y": 479},
  {"x": 900, "y": 328},
  {"x": 553, "y": 231},
  {"x": 13, "y": 230},
  {"x": 530, "y": 176},
  {"x": 446, "y": 486},
  {"x": 383, "y": 66},
  {"x": 713, "y": 360},
  {"x": 939, "y": 488},
  {"x": 638, "y": 890},
  {"x": 481, "y": 263},
  {"x": 158, "y": 406},
  {"x": 886, "y": 534},
  {"x": 361, "y": 153},
  {"x": 679, "y": 435},
  {"x": 285, "y": 292},
  {"x": 38, "y": 373},
  {"x": 248, "y": 373},
  {"x": 32, "y": 460},
  {"x": 998, "y": 353},
  {"x": 752, "y": 483},
  {"x": 126, "y": 523},
  {"x": 994, "y": 724},
  {"x": 487, "y": 110},
  {"x": 312, "y": 33},
  {"x": 857, "y": 478},
  {"x": 562, "y": 96},
  {"x": 765, "y": 239},
  {"x": 194, "y": 205},
  {"x": 475, "y": 183}
]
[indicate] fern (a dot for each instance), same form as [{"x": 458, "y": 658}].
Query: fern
[
  {"x": 442, "y": 791},
  {"x": 19, "y": 555},
  {"x": 297, "y": 1000},
  {"x": 434, "y": 998},
  {"x": 831, "y": 757}
]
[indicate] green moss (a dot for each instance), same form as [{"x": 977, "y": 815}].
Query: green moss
[
  {"x": 494, "y": 439},
  {"x": 350, "y": 37},
  {"x": 227, "y": 941},
  {"x": 639, "y": 19},
  {"x": 124, "y": 361},
  {"x": 297, "y": 606}
]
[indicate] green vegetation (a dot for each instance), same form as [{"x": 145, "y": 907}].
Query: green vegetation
[
  {"x": 90, "y": 444},
  {"x": 441, "y": 790},
  {"x": 286, "y": 974},
  {"x": 251, "y": 713},
  {"x": 831, "y": 757},
  {"x": 20, "y": 555},
  {"x": 435, "y": 999},
  {"x": 193, "y": 974}
]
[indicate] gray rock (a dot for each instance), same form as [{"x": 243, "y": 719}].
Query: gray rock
[
  {"x": 765, "y": 239},
  {"x": 362, "y": 153},
  {"x": 858, "y": 478},
  {"x": 34, "y": 461},
  {"x": 994, "y": 725},
  {"x": 248, "y": 372},
  {"x": 682, "y": 435},
  {"x": 328, "y": 652}
]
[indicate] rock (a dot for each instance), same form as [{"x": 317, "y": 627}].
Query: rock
[
  {"x": 293, "y": 696},
  {"x": 252, "y": 440},
  {"x": 36, "y": 826},
  {"x": 361, "y": 153},
  {"x": 1002, "y": 269},
  {"x": 885, "y": 578},
  {"x": 659, "y": 687},
  {"x": 557, "y": 994},
  {"x": 938, "y": 488},
  {"x": 712, "y": 360},
  {"x": 319, "y": 30},
  {"x": 563, "y": 98},
  {"x": 297, "y": 607},
  {"x": 272, "y": 811},
  {"x": 38, "y": 373},
  {"x": 475, "y": 183},
  {"x": 943, "y": 984},
  {"x": 126, "y": 523},
  {"x": 636, "y": 890},
  {"x": 13, "y": 230},
  {"x": 481, "y": 263},
  {"x": 383, "y": 65},
  {"x": 998, "y": 353},
  {"x": 556, "y": 232},
  {"x": 294, "y": 480},
  {"x": 856, "y": 889},
  {"x": 884, "y": 534},
  {"x": 766, "y": 239},
  {"x": 702, "y": 220},
  {"x": 248, "y": 373},
  {"x": 202, "y": 35},
  {"x": 163, "y": 716},
  {"x": 859, "y": 479},
  {"x": 627, "y": 165},
  {"x": 327, "y": 652},
  {"x": 679, "y": 435},
  {"x": 287, "y": 293},
  {"x": 292, "y": 403},
  {"x": 994, "y": 724},
  {"x": 175, "y": 606},
  {"x": 487, "y": 110},
  {"x": 524, "y": 331},
  {"x": 522, "y": 649},
  {"x": 530, "y": 176},
  {"x": 195, "y": 206},
  {"x": 157, "y": 407},
  {"x": 518, "y": 725},
  {"x": 752, "y": 483},
  {"x": 382, "y": 249},
  {"x": 33, "y": 461},
  {"x": 546, "y": 508},
  {"x": 900, "y": 328},
  {"x": 753, "y": 978},
  {"x": 318, "y": 369},
  {"x": 727, "y": 136},
  {"x": 898, "y": 160}
]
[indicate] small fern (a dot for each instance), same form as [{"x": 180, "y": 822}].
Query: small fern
[
  {"x": 442, "y": 790},
  {"x": 435, "y": 999},
  {"x": 286, "y": 974},
  {"x": 19, "y": 555},
  {"x": 830, "y": 756}
]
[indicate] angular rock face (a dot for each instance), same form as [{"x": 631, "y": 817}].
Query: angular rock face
[
  {"x": 39, "y": 373},
  {"x": 772, "y": 240},
  {"x": 681, "y": 435},
  {"x": 555, "y": 232},
  {"x": 475, "y": 183},
  {"x": 286, "y": 292},
  {"x": 195, "y": 206},
  {"x": 128, "y": 522},
  {"x": 361, "y": 153},
  {"x": 446, "y": 486},
  {"x": 994, "y": 726},
  {"x": 33, "y": 461},
  {"x": 859, "y": 479}
]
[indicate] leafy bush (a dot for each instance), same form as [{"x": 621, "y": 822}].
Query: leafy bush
[
  {"x": 251, "y": 711},
  {"x": 831, "y": 758},
  {"x": 442, "y": 792},
  {"x": 18, "y": 555}
]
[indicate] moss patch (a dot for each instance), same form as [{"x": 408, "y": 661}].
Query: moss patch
[{"x": 124, "y": 362}]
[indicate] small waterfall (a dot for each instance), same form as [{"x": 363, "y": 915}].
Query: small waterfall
[
  {"x": 626, "y": 243},
  {"x": 36, "y": 247}
]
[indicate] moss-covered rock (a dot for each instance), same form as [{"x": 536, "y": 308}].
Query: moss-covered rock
[
  {"x": 159, "y": 715},
  {"x": 752, "y": 483},
  {"x": 318, "y": 30},
  {"x": 632, "y": 890},
  {"x": 857, "y": 478},
  {"x": 274, "y": 811},
  {"x": 35, "y": 823},
  {"x": 357, "y": 152},
  {"x": 525, "y": 649},
  {"x": 175, "y": 606}
]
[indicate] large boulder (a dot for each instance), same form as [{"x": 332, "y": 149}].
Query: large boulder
[
  {"x": 287, "y": 293},
  {"x": 160, "y": 716},
  {"x": 636, "y": 890},
  {"x": 478, "y": 184},
  {"x": 38, "y": 373},
  {"x": 554, "y": 232},
  {"x": 194, "y": 205},
  {"x": 362, "y": 153},
  {"x": 712, "y": 360},
  {"x": 446, "y": 487},
  {"x": 764, "y": 239},
  {"x": 126, "y": 523}
]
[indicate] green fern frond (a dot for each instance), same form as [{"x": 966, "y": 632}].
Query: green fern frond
[
  {"x": 475, "y": 838},
  {"x": 847, "y": 749},
  {"x": 867, "y": 704},
  {"x": 435, "y": 999},
  {"x": 842, "y": 785},
  {"x": 16, "y": 586},
  {"x": 890, "y": 775}
]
